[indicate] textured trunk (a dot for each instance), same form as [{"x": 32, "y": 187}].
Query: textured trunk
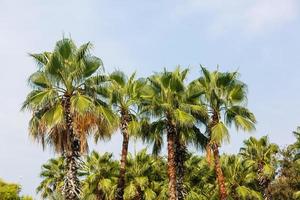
[
  {"x": 215, "y": 150},
  {"x": 71, "y": 187},
  {"x": 139, "y": 195},
  {"x": 220, "y": 176},
  {"x": 180, "y": 157},
  {"x": 235, "y": 196},
  {"x": 124, "y": 129},
  {"x": 208, "y": 154},
  {"x": 266, "y": 194},
  {"x": 263, "y": 182},
  {"x": 171, "y": 131},
  {"x": 234, "y": 193},
  {"x": 99, "y": 196}
]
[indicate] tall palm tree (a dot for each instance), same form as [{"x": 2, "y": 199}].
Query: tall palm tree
[
  {"x": 61, "y": 100},
  {"x": 125, "y": 94},
  {"x": 224, "y": 95},
  {"x": 166, "y": 99},
  {"x": 52, "y": 174},
  {"x": 261, "y": 154},
  {"x": 100, "y": 176}
]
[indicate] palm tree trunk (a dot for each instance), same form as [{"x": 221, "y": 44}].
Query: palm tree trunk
[
  {"x": 121, "y": 181},
  {"x": 71, "y": 187},
  {"x": 215, "y": 150},
  {"x": 99, "y": 195},
  {"x": 220, "y": 176},
  {"x": 180, "y": 157},
  {"x": 234, "y": 192},
  {"x": 139, "y": 195},
  {"x": 208, "y": 154},
  {"x": 171, "y": 131}
]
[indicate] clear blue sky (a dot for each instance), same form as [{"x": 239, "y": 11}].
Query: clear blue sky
[{"x": 258, "y": 37}]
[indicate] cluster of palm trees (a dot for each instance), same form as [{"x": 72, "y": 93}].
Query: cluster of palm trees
[
  {"x": 72, "y": 98},
  {"x": 146, "y": 175}
]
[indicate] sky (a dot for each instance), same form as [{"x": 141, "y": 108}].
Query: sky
[{"x": 259, "y": 38}]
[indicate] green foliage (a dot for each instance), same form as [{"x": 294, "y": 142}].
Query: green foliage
[
  {"x": 219, "y": 133},
  {"x": 199, "y": 178},
  {"x": 224, "y": 95},
  {"x": 124, "y": 98},
  {"x": 67, "y": 71},
  {"x": 240, "y": 178},
  {"x": 26, "y": 198},
  {"x": 145, "y": 177},
  {"x": 296, "y": 145},
  {"x": 261, "y": 152},
  {"x": 52, "y": 174},
  {"x": 287, "y": 183},
  {"x": 167, "y": 99},
  {"x": 100, "y": 172},
  {"x": 10, "y": 191}
]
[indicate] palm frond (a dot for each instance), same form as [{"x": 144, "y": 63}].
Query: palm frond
[{"x": 219, "y": 133}]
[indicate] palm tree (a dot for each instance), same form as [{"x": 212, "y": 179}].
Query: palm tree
[
  {"x": 145, "y": 177},
  {"x": 100, "y": 172},
  {"x": 224, "y": 95},
  {"x": 64, "y": 105},
  {"x": 167, "y": 100},
  {"x": 185, "y": 135},
  {"x": 125, "y": 93},
  {"x": 52, "y": 174},
  {"x": 240, "y": 178},
  {"x": 261, "y": 154}
]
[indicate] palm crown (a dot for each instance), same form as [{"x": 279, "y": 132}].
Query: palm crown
[
  {"x": 167, "y": 97},
  {"x": 125, "y": 95},
  {"x": 65, "y": 71},
  {"x": 239, "y": 177},
  {"x": 101, "y": 176},
  {"x": 125, "y": 91},
  {"x": 260, "y": 153},
  {"x": 53, "y": 173},
  {"x": 225, "y": 96},
  {"x": 144, "y": 177}
]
